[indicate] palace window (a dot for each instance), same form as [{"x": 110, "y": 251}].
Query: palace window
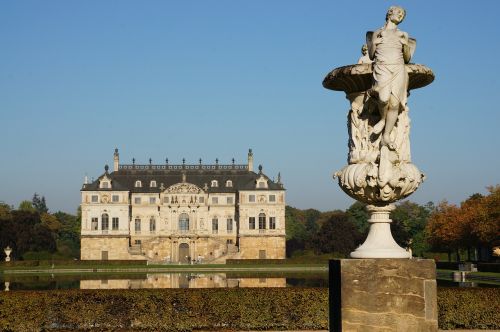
[
  {"x": 229, "y": 225},
  {"x": 105, "y": 222},
  {"x": 138, "y": 184},
  {"x": 215, "y": 225},
  {"x": 165, "y": 200},
  {"x": 184, "y": 222},
  {"x": 137, "y": 200},
  {"x": 137, "y": 225},
  {"x": 201, "y": 199},
  {"x": 251, "y": 198},
  {"x": 215, "y": 200},
  {"x": 115, "y": 223},
  {"x": 272, "y": 222},
  {"x": 152, "y": 200},
  {"x": 272, "y": 198},
  {"x": 251, "y": 223},
  {"x": 152, "y": 225},
  {"x": 95, "y": 198},
  {"x": 262, "y": 221},
  {"x": 152, "y": 184},
  {"x": 261, "y": 184},
  {"x": 229, "y": 183},
  {"x": 94, "y": 224},
  {"x": 229, "y": 200},
  {"x": 214, "y": 183},
  {"x": 115, "y": 198},
  {"x": 105, "y": 184}
]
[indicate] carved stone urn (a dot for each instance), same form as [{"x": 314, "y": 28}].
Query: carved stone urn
[
  {"x": 377, "y": 174},
  {"x": 7, "y": 251}
]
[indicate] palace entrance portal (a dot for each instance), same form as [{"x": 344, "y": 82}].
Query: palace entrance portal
[{"x": 184, "y": 253}]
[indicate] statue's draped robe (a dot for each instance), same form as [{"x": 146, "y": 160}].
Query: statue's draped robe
[{"x": 389, "y": 71}]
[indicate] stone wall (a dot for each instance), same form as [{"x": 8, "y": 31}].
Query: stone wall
[
  {"x": 255, "y": 247},
  {"x": 383, "y": 295},
  {"x": 92, "y": 248}
]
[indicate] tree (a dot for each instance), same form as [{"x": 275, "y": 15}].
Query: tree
[
  {"x": 338, "y": 235},
  {"x": 408, "y": 225},
  {"x": 39, "y": 204},
  {"x": 26, "y": 206},
  {"x": 359, "y": 216},
  {"x": 445, "y": 228}
]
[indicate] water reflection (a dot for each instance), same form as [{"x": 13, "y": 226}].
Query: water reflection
[{"x": 183, "y": 280}]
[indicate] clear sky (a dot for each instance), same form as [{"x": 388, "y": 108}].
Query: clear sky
[{"x": 210, "y": 79}]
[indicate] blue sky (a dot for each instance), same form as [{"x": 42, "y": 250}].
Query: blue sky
[{"x": 210, "y": 79}]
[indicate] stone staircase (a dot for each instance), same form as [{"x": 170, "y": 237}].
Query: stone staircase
[{"x": 148, "y": 248}]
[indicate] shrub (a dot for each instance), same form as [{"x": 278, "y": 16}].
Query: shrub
[
  {"x": 166, "y": 309},
  {"x": 469, "y": 308}
]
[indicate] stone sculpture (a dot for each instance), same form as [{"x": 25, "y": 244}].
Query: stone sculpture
[{"x": 379, "y": 170}]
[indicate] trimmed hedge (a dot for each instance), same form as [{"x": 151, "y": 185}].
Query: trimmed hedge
[
  {"x": 481, "y": 267},
  {"x": 213, "y": 309},
  {"x": 469, "y": 308},
  {"x": 255, "y": 261},
  {"x": 166, "y": 309},
  {"x": 49, "y": 263},
  {"x": 488, "y": 267}
]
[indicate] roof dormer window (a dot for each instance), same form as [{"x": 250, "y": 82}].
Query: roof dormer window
[
  {"x": 214, "y": 183},
  {"x": 261, "y": 184},
  {"x": 104, "y": 184},
  {"x": 152, "y": 184},
  {"x": 138, "y": 184},
  {"x": 229, "y": 183}
]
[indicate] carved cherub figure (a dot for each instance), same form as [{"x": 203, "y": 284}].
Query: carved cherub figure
[
  {"x": 390, "y": 49},
  {"x": 365, "y": 57}
]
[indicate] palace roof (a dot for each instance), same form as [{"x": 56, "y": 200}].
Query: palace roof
[{"x": 125, "y": 178}]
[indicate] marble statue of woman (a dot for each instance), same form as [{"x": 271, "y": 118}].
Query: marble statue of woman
[{"x": 390, "y": 48}]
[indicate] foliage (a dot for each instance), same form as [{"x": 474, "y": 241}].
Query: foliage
[
  {"x": 408, "y": 225},
  {"x": 475, "y": 223},
  {"x": 26, "y": 206},
  {"x": 166, "y": 309},
  {"x": 359, "y": 216},
  {"x": 39, "y": 204},
  {"x": 209, "y": 309},
  {"x": 469, "y": 308},
  {"x": 338, "y": 235},
  {"x": 33, "y": 233}
]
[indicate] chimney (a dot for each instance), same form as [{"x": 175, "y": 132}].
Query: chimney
[
  {"x": 116, "y": 159},
  {"x": 250, "y": 160}
]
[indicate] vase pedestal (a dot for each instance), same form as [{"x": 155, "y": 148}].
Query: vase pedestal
[{"x": 383, "y": 295}]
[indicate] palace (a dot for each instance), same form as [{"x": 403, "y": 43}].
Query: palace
[{"x": 183, "y": 213}]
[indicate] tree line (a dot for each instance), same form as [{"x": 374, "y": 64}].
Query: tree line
[
  {"x": 473, "y": 228},
  {"x": 34, "y": 233},
  {"x": 469, "y": 230}
]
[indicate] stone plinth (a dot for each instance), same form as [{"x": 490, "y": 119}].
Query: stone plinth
[{"x": 383, "y": 295}]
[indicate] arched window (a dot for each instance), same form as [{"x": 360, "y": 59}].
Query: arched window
[
  {"x": 152, "y": 225},
  {"x": 183, "y": 222},
  {"x": 138, "y": 184},
  {"x": 229, "y": 183},
  {"x": 262, "y": 221},
  {"x": 105, "y": 222},
  {"x": 152, "y": 184},
  {"x": 214, "y": 183}
]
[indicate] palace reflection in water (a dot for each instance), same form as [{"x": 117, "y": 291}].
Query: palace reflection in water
[{"x": 182, "y": 280}]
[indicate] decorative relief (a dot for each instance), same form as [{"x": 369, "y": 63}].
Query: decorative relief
[
  {"x": 105, "y": 198},
  {"x": 183, "y": 188}
]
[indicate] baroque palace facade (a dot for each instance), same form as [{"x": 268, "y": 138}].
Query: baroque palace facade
[{"x": 182, "y": 213}]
